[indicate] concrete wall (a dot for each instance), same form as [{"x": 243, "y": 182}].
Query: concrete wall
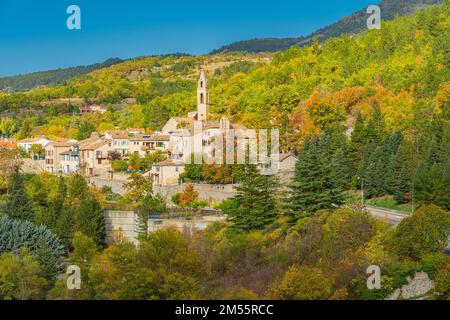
[
  {"x": 209, "y": 192},
  {"x": 124, "y": 224},
  {"x": 116, "y": 185},
  {"x": 120, "y": 224}
]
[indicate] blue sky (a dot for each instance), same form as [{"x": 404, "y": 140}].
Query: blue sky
[{"x": 34, "y": 36}]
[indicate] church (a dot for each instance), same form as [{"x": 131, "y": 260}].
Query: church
[{"x": 181, "y": 132}]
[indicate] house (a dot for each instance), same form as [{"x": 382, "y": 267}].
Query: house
[
  {"x": 53, "y": 152},
  {"x": 167, "y": 172},
  {"x": 145, "y": 144},
  {"x": 26, "y": 144},
  {"x": 94, "y": 155},
  {"x": 93, "y": 109},
  {"x": 8, "y": 143},
  {"x": 120, "y": 140},
  {"x": 70, "y": 160}
]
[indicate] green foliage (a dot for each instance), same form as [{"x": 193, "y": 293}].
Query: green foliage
[
  {"x": 84, "y": 130},
  {"x": 149, "y": 206},
  {"x": 18, "y": 205},
  {"x": 254, "y": 206},
  {"x": 44, "y": 245},
  {"x": 90, "y": 221},
  {"x": 119, "y": 165},
  {"x": 77, "y": 186},
  {"x": 20, "y": 276},
  {"x": 431, "y": 185},
  {"x": 354, "y": 24},
  {"x": 303, "y": 283},
  {"x": 424, "y": 232},
  {"x": 321, "y": 175}
]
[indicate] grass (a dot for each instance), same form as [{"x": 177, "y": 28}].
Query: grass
[{"x": 386, "y": 202}]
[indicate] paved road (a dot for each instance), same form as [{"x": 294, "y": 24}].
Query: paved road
[{"x": 394, "y": 217}]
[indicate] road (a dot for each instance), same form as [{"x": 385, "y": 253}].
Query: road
[{"x": 394, "y": 217}]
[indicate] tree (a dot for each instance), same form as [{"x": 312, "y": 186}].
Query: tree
[
  {"x": 403, "y": 187},
  {"x": 84, "y": 130},
  {"x": 150, "y": 205},
  {"x": 134, "y": 162},
  {"x": 425, "y": 231},
  {"x": 65, "y": 225},
  {"x": 18, "y": 205},
  {"x": 303, "y": 283},
  {"x": 91, "y": 222},
  {"x": 38, "y": 151},
  {"x": 254, "y": 206},
  {"x": 431, "y": 185},
  {"x": 188, "y": 196},
  {"x": 117, "y": 274},
  {"x": 77, "y": 187},
  {"x": 44, "y": 245},
  {"x": 321, "y": 175},
  {"x": 357, "y": 142},
  {"x": 56, "y": 204},
  {"x": 138, "y": 187},
  {"x": 20, "y": 276}
]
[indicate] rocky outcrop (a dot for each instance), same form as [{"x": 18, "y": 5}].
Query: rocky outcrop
[{"x": 416, "y": 287}]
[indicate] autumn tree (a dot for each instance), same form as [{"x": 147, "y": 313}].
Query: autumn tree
[{"x": 425, "y": 231}]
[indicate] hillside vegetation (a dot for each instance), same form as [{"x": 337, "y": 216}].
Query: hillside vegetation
[
  {"x": 351, "y": 25},
  {"x": 50, "y": 77}
]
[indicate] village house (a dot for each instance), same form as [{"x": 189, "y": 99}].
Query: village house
[
  {"x": 70, "y": 160},
  {"x": 53, "y": 152},
  {"x": 94, "y": 155},
  {"x": 145, "y": 144},
  {"x": 93, "y": 109},
  {"x": 26, "y": 144},
  {"x": 120, "y": 141},
  {"x": 167, "y": 172}
]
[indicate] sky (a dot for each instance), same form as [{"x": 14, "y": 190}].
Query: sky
[{"x": 34, "y": 35}]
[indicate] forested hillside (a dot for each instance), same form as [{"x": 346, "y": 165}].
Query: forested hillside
[
  {"x": 351, "y": 25},
  {"x": 51, "y": 77}
]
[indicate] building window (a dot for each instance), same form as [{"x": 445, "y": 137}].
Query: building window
[{"x": 201, "y": 98}]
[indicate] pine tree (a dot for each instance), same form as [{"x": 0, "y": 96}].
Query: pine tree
[
  {"x": 56, "y": 204},
  {"x": 319, "y": 179},
  {"x": 90, "y": 221},
  {"x": 254, "y": 206},
  {"x": 150, "y": 205},
  {"x": 357, "y": 142},
  {"x": 403, "y": 186},
  {"x": 18, "y": 205},
  {"x": 77, "y": 187},
  {"x": 65, "y": 225},
  {"x": 376, "y": 127}
]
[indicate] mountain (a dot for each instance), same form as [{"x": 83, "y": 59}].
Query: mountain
[
  {"x": 51, "y": 77},
  {"x": 352, "y": 24}
]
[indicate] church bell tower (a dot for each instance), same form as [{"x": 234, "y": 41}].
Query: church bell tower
[{"x": 202, "y": 97}]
